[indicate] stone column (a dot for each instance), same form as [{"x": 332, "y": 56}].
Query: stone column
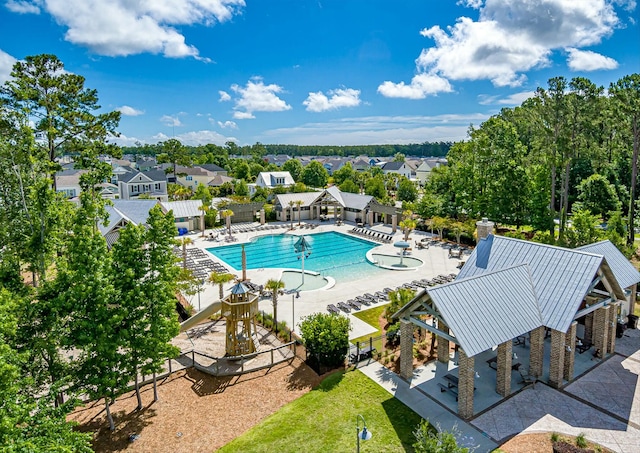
[
  {"x": 632, "y": 299},
  {"x": 262, "y": 219},
  {"x": 613, "y": 319},
  {"x": 443, "y": 344},
  {"x": 569, "y": 351},
  {"x": 503, "y": 376},
  {"x": 370, "y": 218},
  {"x": 394, "y": 223},
  {"x": 406, "y": 349},
  {"x": 601, "y": 330},
  {"x": 556, "y": 367},
  {"x": 466, "y": 375},
  {"x": 588, "y": 328},
  {"x": 536, "y": 351},
  {"x": 484, "y": 228}
]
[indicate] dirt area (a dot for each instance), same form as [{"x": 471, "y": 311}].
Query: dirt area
[
  {"x": 196, "y": 412},
  {"x": 539, "y": 443}
]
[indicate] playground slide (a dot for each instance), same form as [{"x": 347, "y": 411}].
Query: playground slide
[{"x": 200, "y": 316}]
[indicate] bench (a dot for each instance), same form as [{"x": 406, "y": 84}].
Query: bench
[
  {"x": 583, "y": 346},
  {"x": 493, "y": 364},
  {"x": 446, "y": 388}
]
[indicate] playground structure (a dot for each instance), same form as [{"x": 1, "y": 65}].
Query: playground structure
[{"x": 240, "y": 309}]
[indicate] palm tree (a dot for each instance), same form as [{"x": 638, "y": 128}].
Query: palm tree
[
  {"x": 226, "y": 214},
  {"x": 274, "y": 286},
  {"x": 184, "y": 242},
  {"x": 298, "y": 204},
  {"x": 291, "y": 212},
  {"x": 407, "y": 224},
  {"x": 220, "y": 279}
]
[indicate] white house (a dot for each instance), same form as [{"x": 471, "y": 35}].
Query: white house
[
  {"x": 271, "y": 179},
  {"x": 152, "y": 183}
]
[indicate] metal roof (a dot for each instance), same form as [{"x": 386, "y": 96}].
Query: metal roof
[
  {"x": 561, "y": 277},
  {"x": 349, "y": 200},
  {"x": 489, "y": 309},
  {"x": 625, "y": 273},
  {"x": 183, "y": 209},
  {"x": 136, "y": 211},
  {"x": 307, "y": 198}
]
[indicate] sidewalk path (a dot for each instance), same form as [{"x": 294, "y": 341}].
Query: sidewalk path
[{"x": 426, "y": 407}]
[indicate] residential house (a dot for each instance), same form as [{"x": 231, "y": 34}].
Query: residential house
[
  {"x": 68, "y": 182},
  {"x": 188, "y": 214},
  {"x": 151, "y": 183},
  {"x": 123, "y": 212},
  {"x": 400, "y": 168},
  {"x": 272, "y": 179}
]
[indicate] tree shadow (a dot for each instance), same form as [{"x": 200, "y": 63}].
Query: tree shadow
[
  {"x": 204, "y": 384},
  {"x": 127, "y": 427},
  {"x": 302, "y": 377}
]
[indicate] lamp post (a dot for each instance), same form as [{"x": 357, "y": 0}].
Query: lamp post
[
  {"x": 200, "y": 283},
  {"x": 365, "y": 434},
  {"x": 293, "y": 311},
  {"x": 304, "y": 248}
]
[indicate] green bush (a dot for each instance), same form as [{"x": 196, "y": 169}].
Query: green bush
[
  {"x": 326, "y": 337},
  {"x": 429, "y": 439},
  {"x": 581, "y": 441}
]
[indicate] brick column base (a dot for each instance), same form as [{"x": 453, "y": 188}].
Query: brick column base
[
  {"x": 536, "y": 351},
  {"x": 601, "y": 330},
  {"x": 570, "y": 351},
  {"x": 588, "y": 328},
  {"x": 406, "y": 349},
  {"x": 556, "y": 367},
  {"x": 443, "y": 344},
  {"x": 466, "y": 376},
  {"x": 503, "y": 373},
  {"x": 613, "y": 319}
]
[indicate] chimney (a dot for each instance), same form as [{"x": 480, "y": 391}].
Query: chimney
[{"x": 484, "y": 228}]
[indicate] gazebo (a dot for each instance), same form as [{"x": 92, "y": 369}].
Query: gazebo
[{"x": 239, "y": 309}]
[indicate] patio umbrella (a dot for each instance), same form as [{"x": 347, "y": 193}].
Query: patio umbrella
[{"x": 402, "y": 245}]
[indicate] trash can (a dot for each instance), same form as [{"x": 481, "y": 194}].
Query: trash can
[
  {"x": 632, "y": 322},
  {"x": 620, "y": 328}
]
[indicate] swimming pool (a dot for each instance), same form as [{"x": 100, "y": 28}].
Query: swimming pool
[{"x": 332, "y": 254}]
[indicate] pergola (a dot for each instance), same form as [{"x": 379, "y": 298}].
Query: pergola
[{"x": 509, "y": 288}]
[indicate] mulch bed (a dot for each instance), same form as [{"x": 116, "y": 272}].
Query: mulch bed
[{"x": 196, "y": 412}]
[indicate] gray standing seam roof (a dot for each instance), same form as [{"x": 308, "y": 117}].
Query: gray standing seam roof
[
  {"x": 561, "y": 277},
  {"x": 489, "y": 309},
  {"x": 625, "y": 273}
]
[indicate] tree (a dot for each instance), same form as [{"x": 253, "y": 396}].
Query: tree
[
  {"x": 407, "y": 190},
  {"x": 274, "y": 286},
  {"x": 220, "y": 279},
  {"x": 343, "y": 174},
  {"x": 598, "y": 196},
  {"x": 584, "y": 229},
  {"x": 326, "y": 337},
  {"x": 298, "y": 204},
  {"x": 174, "y": 153},
  {"x": 294, "y": 167},
  {"x": 240, "y": 188},
  {"x": 158, "y": 292},
  {"x": 349, "y": 186},
  {"x": 440, "y": 224},
  {"x": 59, "y": 107},
  {"x": 315, "y": 175},
  {"x": 408, "y": 224},
  {"x": 376, "y": 188},
  {"x": 226, "y": 214},
  {"x": 626, "y": 96}
]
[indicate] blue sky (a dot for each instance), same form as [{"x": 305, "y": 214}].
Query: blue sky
[{"x": 327, "y": 72}]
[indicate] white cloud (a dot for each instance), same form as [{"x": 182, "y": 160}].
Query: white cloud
[
  {"x": 586, "y": 60},
  {"x": 512, "y": 99},
  {"x": 377, "y": 130},
  {"x": 23, "y": 7},
  {"x": 196, "y": 138},
  {"x": 6, "y": 66},
  {"x": 172, "y": 121},
  {"x": 224, "y": 96},
  {"x": 344, "y": 97},
  {"x": 124, "y": 27},
  {"x": 255, "y": 96},
  {"x": 508, "y": 39},
  {"x": 421, "y": 86},
  {"x": 129, "y": 111},
  {"x": 228, "y": 125}
]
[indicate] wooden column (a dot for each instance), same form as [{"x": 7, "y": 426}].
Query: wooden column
[
  {"x": 466, "y": 376},
  {"x": 394, "y": 223},
  {"x": 406, "y": 349},
  {"x": 569, "y": 351},
  {"x": 556, "y": 367},
  {"x": 503, "y": 373},
  {"x": 536, "y": 351}
]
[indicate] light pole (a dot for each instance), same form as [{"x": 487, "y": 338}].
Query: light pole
[
  {"x": 293, "y": 312},
  {"x": 200, "y": 283},
  {"x": 304, "y": 248},
  {"x": 365, "y": 434}
]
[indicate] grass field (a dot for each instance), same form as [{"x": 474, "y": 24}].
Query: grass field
[
  {"x": 371, "y": 316},
  {"x": 324, "y": 420}
]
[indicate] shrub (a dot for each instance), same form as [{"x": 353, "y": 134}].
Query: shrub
[
  {"x": 581, "y": 441},
  {"x": 393, "y": 335},
  {"x": 565, "y": 447},
  {"x": 555, "y": 437},
  {"x": 326, "y": 337},
  {"x": 430, "y": 439}
]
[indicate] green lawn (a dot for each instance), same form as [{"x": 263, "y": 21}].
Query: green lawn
[
  {"x": 324, "y": 420},
  {"x": 370, "y": 316}
]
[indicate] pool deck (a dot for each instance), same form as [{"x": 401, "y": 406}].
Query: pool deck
[{"x": 435, "y": 261}]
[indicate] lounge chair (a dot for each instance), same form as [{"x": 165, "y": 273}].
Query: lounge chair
[
  {"x": 354, "y": 304},
  {"x": 344, "y": 307},
  {"x": 332, "y": 309}
]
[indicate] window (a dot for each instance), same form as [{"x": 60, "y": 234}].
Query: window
[
  {"x": 157, "y": 186},
  {"x": 189, "y": 178},
  {"x": 135, "y": 189}
]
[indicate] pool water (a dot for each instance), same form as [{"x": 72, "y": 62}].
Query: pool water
[{"x": 332, "y": 254}]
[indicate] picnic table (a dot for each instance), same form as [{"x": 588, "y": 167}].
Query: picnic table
[{"x": 493, "y": 364}]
